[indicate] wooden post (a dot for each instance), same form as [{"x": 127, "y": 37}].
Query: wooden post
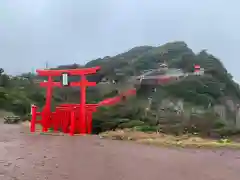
[
  {"x": 82, "y": 112},
  {"x": 72, "y": 126},
  {"x": 34, "y": 118}
]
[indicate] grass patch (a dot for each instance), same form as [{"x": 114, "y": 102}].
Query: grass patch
[{"x": 160, "y": 139}]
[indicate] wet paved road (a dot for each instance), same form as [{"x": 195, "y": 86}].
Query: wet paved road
[{"x": 44, "y": 157}]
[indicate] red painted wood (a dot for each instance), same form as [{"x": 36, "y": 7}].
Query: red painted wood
[{"x": 73, "y": 72}]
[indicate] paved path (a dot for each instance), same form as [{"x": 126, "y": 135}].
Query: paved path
[{"x": 33, "y": 157}]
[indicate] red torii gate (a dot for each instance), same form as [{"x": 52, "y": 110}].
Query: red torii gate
[{"x": 81, "y": 108}]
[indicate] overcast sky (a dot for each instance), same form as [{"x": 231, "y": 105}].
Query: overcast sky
[{"x": 76, "y": 31}]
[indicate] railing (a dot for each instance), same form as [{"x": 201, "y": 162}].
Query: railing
[
  {"x": 117, "y": 99},
  {"x": 65, "y": 118}
]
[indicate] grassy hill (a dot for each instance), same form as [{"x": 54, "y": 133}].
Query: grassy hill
[
  {"x": 215, "y": 88},
  {"x": 217, "y": 84},
  {"x": 145, "y": 110}
]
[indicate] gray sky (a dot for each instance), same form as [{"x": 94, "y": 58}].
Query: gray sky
[{"x": 76, "y": 31}]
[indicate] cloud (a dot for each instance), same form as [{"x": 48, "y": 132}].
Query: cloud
[{"x": 63, "y": 32}]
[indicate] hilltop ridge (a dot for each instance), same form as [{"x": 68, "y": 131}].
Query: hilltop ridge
[{"x": 177, "y": 55}]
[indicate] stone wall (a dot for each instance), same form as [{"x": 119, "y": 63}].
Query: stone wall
[{"x": 238, "y": 117}]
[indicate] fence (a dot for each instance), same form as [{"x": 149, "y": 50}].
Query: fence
[{"x": 65, "y": 118}]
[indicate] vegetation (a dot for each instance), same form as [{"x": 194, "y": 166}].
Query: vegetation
[
  {"x": 159, "y": 139},
  {"x": 200, "y": 93}
]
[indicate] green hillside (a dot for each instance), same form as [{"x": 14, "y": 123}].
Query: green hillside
[
  {"x": 148, "y": 110},
  {"x": 215, "y": 88},
  {"x": 216, "y": 84}
]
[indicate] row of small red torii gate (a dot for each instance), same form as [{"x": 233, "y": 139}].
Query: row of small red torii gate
[{"x": 69, "y": 118}]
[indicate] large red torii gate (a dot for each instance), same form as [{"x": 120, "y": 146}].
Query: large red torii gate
[
  {"x": 70, "y": 118},
  {"x": 46, "y": 114}
]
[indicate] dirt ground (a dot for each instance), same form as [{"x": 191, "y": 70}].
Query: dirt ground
[{"x": 44, "y": 157}]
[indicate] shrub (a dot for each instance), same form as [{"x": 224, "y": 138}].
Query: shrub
[
  {"x": 226, "y": 131},
  {"x": 131, "y": 124},
  {"x": 219, "y": 123},
  {"x": 146, "y": 128},
  {"x": 110, "y": 125}
]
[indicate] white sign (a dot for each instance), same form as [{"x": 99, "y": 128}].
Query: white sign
[{"x": 65, "y": 79}]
